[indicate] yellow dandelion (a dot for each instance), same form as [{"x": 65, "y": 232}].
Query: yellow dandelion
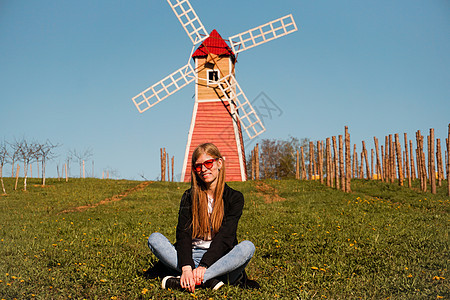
[
  {"x": 144, "y": 291},
  {"x": 410, "y": 275},
  {"x": 315, "y": 268}
]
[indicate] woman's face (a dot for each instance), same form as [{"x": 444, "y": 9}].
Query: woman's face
[{"x": 208, "y": 176}]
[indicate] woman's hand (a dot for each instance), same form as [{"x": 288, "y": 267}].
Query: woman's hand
[
  {"x": 199, "y": 273},
  {"x": 187, "y": 279}
]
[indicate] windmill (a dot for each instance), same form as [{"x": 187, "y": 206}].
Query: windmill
[{"x": 221, "y": 109}]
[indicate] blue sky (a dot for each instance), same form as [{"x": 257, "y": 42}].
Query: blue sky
[{"x": 68, "y": 71}]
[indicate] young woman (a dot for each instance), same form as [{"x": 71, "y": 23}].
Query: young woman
[{"x": 206, "y": 252}]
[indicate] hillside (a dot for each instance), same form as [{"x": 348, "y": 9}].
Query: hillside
[{"x": 87, "y": 239}]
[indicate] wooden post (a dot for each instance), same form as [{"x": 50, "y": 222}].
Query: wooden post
[
  {"x": 65, "y": 171},
  {"x": 336, "y": 163},
  {"x": 418, "y": 159},
  {"x": 314, "y": 160},
  {"x": 297, "y": 166},
  {"x": 432, "y": 163},
  {"x": 386, "y": 163},
  {"x": 303, "y": 164},
  {"x": 448, "y": 160},
  {"x": 440, "y": 169},
  {"x": 173, "y": 161},
  {"x": 389, "y": 158},
  {"x": 398, "y": 150},
  {"x": 407, "y": 170},
  {"x": 163, "y": 164},
  {"x": 383, "y": 164},
  {"x": 361, "y": 168},
  {"x": 253, "y": 164},
  {"x": 413, "y": 167},
  {"x": 421, "y": 159},
  {"x": 371, "y": 163},
  {"x": 310, "y": 169},
  {"x": 320, "y": 160},
  {"x": 341, "y": 163},
  {"x": 355, "y": 161},
  {"x": 378, "y": 165},
  {"x": 17, "y": 176},
  {"x": 348, "y": 174},
  {"x": 328, "y": 161},
  {"x": 257, "y": 162},
  {"x": 368, "y": 175},
  {"x": 168, "y": 166}
]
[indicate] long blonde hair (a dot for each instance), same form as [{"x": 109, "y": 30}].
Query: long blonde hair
[{"x": 202, "y": 223}]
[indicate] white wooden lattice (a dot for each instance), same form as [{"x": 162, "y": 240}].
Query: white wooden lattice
[
  {"x": 189, "y": 20},
  {"x": 262, "y": 34},
  {"x": 244, "y": 111},
  {"x": 164, "y": 88}
]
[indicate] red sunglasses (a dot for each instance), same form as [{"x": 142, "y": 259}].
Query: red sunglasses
[{"x": 207, "y": 163}]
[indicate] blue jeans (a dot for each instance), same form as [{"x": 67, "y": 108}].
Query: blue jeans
[{"x": 228, "y": 268}]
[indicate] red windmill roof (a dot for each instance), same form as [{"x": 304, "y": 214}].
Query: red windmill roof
[{"x": 214, "y": 44}]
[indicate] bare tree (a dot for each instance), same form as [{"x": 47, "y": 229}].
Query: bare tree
[
  {"x": 26, "y": 154},
  {"x": 3, "y": 160},
  {"x": 45, "y": 153},
  {"x": 13, "y": 155},
  {"x": 80, "y": 157},
  {"x": 111, "y": 173}
]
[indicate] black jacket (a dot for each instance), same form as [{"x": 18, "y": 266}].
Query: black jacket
[{"x": 223, "y": 241}]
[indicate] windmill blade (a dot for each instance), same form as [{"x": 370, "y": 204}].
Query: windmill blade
[
  {"x": 164, "y": 88},
  {"x": 189, "y": 20},
  {"x": 244, "y": 111},
  {"x": 262, "y": 34}
]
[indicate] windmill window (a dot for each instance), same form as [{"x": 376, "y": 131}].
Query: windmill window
[{"x": 213, "y": 76}]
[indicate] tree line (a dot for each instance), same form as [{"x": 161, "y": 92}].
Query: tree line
[
  {"x": 276, "y": 159},
  {"x": 21, "y": 154}
]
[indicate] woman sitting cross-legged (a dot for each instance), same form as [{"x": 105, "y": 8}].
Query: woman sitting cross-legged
[{"x": 206, "y": 252}]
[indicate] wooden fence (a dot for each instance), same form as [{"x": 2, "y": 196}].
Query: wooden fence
[
  {"x": 165, "y": 165},
  {"x": 335, "y": 165}
]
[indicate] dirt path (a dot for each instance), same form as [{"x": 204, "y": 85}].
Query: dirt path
[
  {"x": 114, "y": 198},
  {"x": 269, "y": 193}
]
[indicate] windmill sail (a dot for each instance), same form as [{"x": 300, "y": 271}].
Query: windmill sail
[
  {"x": 164, "y": 88},
  {"x": 244, "y": 111},
  {"x": 262, "y": 34},
  {"x": 189, "y": 20}
]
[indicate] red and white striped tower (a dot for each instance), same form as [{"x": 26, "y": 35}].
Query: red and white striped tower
[{"x": 212, "y": 119}]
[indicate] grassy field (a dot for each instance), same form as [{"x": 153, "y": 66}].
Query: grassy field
[{"x": 80, "y": 240}]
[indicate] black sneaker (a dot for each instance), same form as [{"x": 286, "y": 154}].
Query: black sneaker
[
  {"x": 158, "y": 270},
  {"x": 246, "y": 283},
  {"x": 213, "y": 284},
  {"x": 171, "y": 282}
]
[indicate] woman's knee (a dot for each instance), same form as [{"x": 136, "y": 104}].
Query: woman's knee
[
  {"x": 154, "y": 239},
  {"x": 247, "y": 247}
]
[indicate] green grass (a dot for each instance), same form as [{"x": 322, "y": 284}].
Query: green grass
[{"x": 380, "y": 241}]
